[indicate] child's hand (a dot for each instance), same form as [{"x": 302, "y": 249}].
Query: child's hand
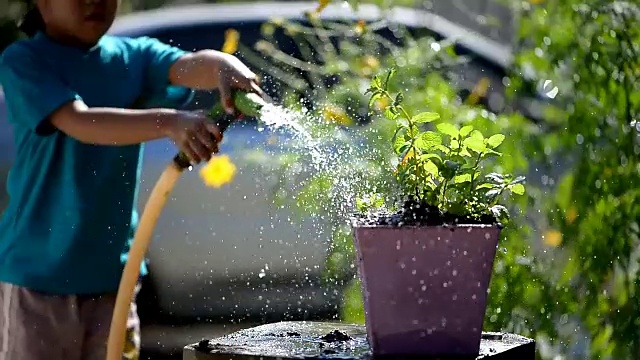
[
  {"x": 235, "y": 75},
  {"x": 195, "y": 135}
]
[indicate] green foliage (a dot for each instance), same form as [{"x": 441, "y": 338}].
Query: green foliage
[
  {"x": 589, "y": 51},
  {"x": 444, "y": 167}
]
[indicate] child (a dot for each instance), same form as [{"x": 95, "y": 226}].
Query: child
[{"x": 69, "y": 91}]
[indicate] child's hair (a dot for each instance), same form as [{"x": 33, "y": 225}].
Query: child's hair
[{"x": 32, "y": 22}]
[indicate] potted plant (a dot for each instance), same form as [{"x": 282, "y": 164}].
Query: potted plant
[{"x": 425, "y": 266}]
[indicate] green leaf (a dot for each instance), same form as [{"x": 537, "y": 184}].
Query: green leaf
[
  {"x": 373, "y": 98},
  {"x": 517, "y": 189},
  {"x": 400, "y": 143},
  {"x": 495, "y": 177},
  {"x": 428, "y": 140},
  {"x": 466, "y": 130},
  {"x": 495, "y": 140},
  {"x": 493, "y": 192},
  {"x": 376, "y": 83},
  {"x": 430, "y": 156},
  {"x": 475, "y": 143},
  {"x": 490, "y": 153},
  {"x": 449, "y": 169},
  {"x": 390, "y": 75},
  {"x": 398, "y": 100},
  {"x": 444, "y": 149},
  {"x": 425, "y": 117},
  {"x": 390, "y": 113},
  {"x": 464, "y": 152},
  {"x": 430, "y": 184},
  {"x": 462, "y": 178},
  {"x": 448, "y": 129},
  {"x": 396, "y": 134},
  {"x": 486, "y": 186},
  {"x": 500, "y": 213},
  {"x": 431, "y": 168},
  {"x": 402, "y": 124}
]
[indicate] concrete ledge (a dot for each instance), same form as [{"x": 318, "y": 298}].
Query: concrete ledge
[{"x": 325, "y": 340}]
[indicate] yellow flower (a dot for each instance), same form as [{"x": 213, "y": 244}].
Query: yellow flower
[
  {"x": 381, "y": 103},
  {"x": 571, "y": 215},
  {"x": 322, "y": 4},
  {"x": 361, "y": 27},
  {"x": 408, "y": 156},
  {"x": 552, "y": 238},
  {"x": 479, "y": 91},
  {"x": 368, "y": 65},
  {"x": 334, "y": 114},
  {"x": 231, "y": 39},
  {"x": 536, "y": 2},
  {"x": 218, "y": 171}
]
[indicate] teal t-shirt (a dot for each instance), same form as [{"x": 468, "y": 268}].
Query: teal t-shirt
[{"x": 71, "y": 212}]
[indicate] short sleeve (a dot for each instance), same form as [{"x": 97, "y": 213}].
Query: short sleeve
[
  {"x": 159, "y": 57},
  {"x": 32, "y": 90}
]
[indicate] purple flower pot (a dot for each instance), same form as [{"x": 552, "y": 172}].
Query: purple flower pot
[{"x": 425, "y": 288}]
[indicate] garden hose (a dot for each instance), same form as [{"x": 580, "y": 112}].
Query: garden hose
[{"x": 247, "y": 104}]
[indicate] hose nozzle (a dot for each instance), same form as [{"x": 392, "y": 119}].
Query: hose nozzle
[{"x": 248, "y": 104}]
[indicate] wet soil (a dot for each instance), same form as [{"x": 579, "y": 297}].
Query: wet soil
[
  {"x": 419, "y": 213},
  {"x": 336, "y": 335}
]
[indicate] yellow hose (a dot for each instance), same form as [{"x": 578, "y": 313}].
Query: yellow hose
[
  {"x": 141, "y": 240},
  {"x": 248, "y": 104}
]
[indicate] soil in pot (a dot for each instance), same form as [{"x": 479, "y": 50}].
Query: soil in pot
[
  {"x": 424, "y": 279},
  {"x": 419, "y": 213}
]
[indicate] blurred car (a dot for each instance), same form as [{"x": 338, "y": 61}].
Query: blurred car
[{"x": 230, "y": 254}]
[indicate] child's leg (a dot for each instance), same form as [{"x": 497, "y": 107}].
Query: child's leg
[
  {"x": 36, "y": 326},
  {"x": 96, "y": 313}
]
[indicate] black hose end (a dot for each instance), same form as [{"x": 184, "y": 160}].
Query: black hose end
[
  {"x": 223, "y": 122},
  {"x": 182, "y": 161}
]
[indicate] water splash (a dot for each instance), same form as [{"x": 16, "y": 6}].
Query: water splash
[
  {"x": 327, "y": 149},
  {"x": 278, "y": 117}
]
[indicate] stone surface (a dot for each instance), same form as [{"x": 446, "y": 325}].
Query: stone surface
[{"x": 326, "y": 340}]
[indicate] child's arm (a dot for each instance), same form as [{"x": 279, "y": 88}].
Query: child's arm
[
  {"x": 38, "y": 100},
  {"x": 201, "y": 70},
  {"x": 111, "y": 126},
  {"x": 210, "y": 69}
]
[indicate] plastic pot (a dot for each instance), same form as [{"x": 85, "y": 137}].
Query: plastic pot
[{"x": 425, "y": 288}]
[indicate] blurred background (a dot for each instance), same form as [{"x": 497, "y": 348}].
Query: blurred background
[{"x": 558, "y": 77}]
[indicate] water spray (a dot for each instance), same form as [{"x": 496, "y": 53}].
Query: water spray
[{"x": 247, "y": 104}]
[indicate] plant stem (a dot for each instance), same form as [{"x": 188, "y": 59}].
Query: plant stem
[
  {"x": 412, "y": 147},
  {"x": 473, "y": 173},
  {"x": 444, "y": 192},
  {"x": 291, "y": 80},
  {"x": 278, "y": 55}
]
